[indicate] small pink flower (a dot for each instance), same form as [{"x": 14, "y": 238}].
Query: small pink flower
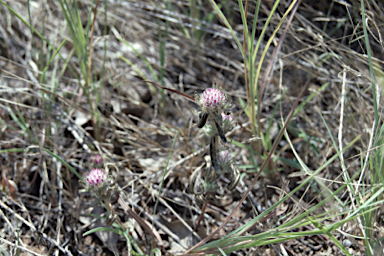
[
  {"x": 212, "y": 98},
  {"x": 97, "y": 159},
  {"x": 69, "y": 88},
  {"x": 96, "y": 177},
  {"x": 226, "y": 117},
  {"x": 224, "y": 157}
]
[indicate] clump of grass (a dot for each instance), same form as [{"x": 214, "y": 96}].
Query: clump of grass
[{"x": 306, "y": 132}]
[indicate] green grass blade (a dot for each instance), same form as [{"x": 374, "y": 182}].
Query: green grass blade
[
  {"x": 261, "y": 37},
  {"x": 254, "y": 25},
  {"x": 245, "y": 22},
  {"x": 104, "y": 229},
  {"x": 224, "y": 19},
  {"x": 50, "y": 61},
  {"x": 369, "y": 53},
  {"x": 270, "y": 38},
  {"x": 65, "y": 163},
  {"x": 246, "y": 226},
  {"x": 301, "y": 106},
  {"x": 325, "y": 231}
]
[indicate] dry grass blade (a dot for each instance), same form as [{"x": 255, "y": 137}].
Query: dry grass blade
[{"x": 75, "y": 84}]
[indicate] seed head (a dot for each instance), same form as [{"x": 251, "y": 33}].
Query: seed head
[
  {"x": 96, "y": 178},
  {"x": 212, "y": 98}
]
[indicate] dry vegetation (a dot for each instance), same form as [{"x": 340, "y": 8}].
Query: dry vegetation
[{"x": 50, "y": 122}]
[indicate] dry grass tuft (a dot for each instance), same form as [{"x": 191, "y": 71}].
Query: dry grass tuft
[{"x": 41, "y": 208}]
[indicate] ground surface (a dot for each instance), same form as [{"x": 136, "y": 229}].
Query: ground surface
[{"x": 44, "y": 106}]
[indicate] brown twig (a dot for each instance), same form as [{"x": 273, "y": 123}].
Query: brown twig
[
  {"x": 201, "y": 215},
  {"x": 190, "y": 98},
  {"x": 131, "y": 213}
]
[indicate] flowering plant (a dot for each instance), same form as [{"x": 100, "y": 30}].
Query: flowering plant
[{"x": 213, "y": 103}]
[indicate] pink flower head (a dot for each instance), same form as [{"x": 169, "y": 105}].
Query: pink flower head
[
  {"x": 96, "y": 177},
  {"x": 97, "y": 159},
  {"x": 69, "y": 88},
  {"x": 226, "y": 117},
  {"x": 212, "y": 98},
  {"x": 224, "y": 157}
]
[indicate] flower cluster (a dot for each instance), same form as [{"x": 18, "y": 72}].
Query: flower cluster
[
  {"x": 224, "y": 157},
  {"x": 226, "y": 117},
  {"x": 100, "y": 182},
  {"x": 96, "y": 178},
  {"x": 228, "y": 122},
  {"x": 97, "y": 159},
  {"x": 212, "y": 98}
]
